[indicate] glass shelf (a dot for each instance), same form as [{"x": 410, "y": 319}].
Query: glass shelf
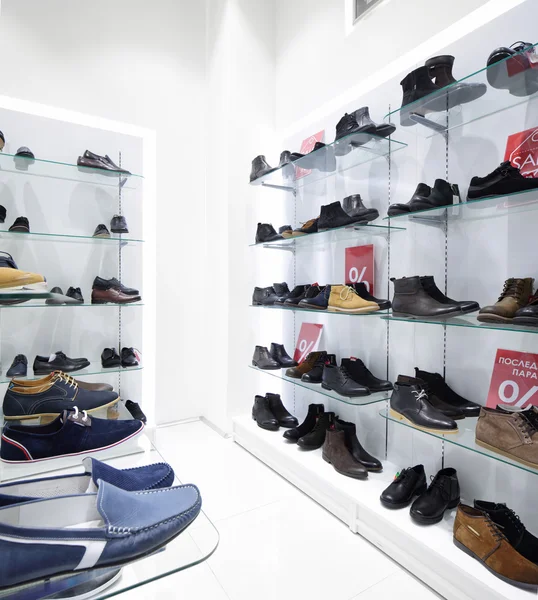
[
  {"x": 442, "y": 111},
  {"x": 42, "y": 304},
  {"x": 52, "y": 169},
  {"x": 337, "y": 157},
  {"x": 465, "y": 438},
  {"x": 474, "y": 210},
  {"x": 316, "y": 387},
  {"x": 378, "y": 313},
  {"x": 339, "y": 234},
  {"x": 63, "y": 237},
  {"x": 465, "y": 321},
  {"x": 95, "y": 368}
]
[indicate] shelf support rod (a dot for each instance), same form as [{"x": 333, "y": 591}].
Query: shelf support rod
[{"x": 421, "y": 120}]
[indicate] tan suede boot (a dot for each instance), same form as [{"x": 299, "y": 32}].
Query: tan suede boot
[{"x": 344, "y": 298}]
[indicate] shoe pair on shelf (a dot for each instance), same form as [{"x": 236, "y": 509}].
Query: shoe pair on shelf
[
  {"x": 112, "y": 290},
  {"x": 420, "y": 297},
  {"x": 428, "y": 403},
  {"x": 270, "y": 413},
  {"x": 72, "y": 296},
  {"x": 58, "y": 361},
  {"x": 133, "y": 513},
  {"x": 276, "y": 358},
  {"x": 118, "y": 224},
  {"x": 429, "y": 507},
  {"x": 130, "y": 357},
  {"x": 514, "y": 69},
  {"x": 494, "y": 535},
  {"x": 432, "y": 88},
  {"x": 516, "y": 304},
  {"x": 104, "y": 163},
  {"x": 425, "y": 197}
]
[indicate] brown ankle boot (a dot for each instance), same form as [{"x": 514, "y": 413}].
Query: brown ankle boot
[
  {"x": 515, "y": 295},
  {"x": 336, "y": 453},
  {"x": 306, "y": 366}
]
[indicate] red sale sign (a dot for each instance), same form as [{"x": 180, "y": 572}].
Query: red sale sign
[
  {"x": 360, "y": 266},
  {"x": 308, "y": 340},
  {"x": 514, "y": 379},
  {"x": 306, "y": 147},
  {"x": 522, "y": 151}
]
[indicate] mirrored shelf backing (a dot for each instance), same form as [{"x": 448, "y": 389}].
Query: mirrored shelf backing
[
  {"x": 489, "y": 91},
  {"x": 95, "y": 368},
  {"x": 337, "y": 157},
  {"x": 53, "y": 169},
  {"x": 473, "y": 210},
  {"x": 331, "y": 236},
  {"x": 464, "y": 438},
  {"x": 313, "y": 387},
  {"x": 378, "y": 313},
  {"x": 465, "y": 321},
  {"x": 64, "y": 237}
]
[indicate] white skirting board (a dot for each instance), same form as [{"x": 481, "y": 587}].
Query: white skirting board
[{"x": 426, "y": 551}]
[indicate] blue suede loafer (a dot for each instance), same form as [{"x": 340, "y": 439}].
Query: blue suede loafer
[
  {"x": 71, "y": 434},
  {"x": 150, "y": 477},
  {"x": 50, "y": 537}
]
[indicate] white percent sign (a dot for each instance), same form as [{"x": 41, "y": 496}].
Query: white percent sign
[
  {"x": 356, "y": 277},
  {"x": 513, "y": 397},
  {"x": 304, "y": 349}
]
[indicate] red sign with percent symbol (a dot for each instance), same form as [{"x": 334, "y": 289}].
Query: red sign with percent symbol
[
  {"x": 522, "y": 151},
  {"x": 514, "y": 380},
  {"x": 360, "y": 266},
  {"x": 308, "y": 340},
  {"x": 306, "y": 147}
]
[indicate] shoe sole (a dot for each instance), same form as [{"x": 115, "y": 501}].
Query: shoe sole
[
  {"x": 102, "y": 235},
  {"x": 506, "y": 454},
  {"x": 266, "y": 368},
  {"x": 518, "y": 584},
  {"x": 342, "y": 473},
  {"x": 119, "y": 230},
  {"x": 85, "y": 453},
  {"x": 492, "y": 318},
  {"x": 444, "y": 316},
  {"x": 433, "y": 520},
  {"x": 19, "y": 230},
  {"x": 311, "y": 306},
  {"x": 353, "y": 311},
  {"x": 326, "y": 387},
  {"x": 48, "y": 417},
  {"x": 400, "y": 417},
  {"x": 134, "y": 299},
  {"x": 526, "y": 320},
  {"x": 49, "y": 370},
  {"x": 266, "y": 427},
  {"x": 398, "y": 505},
  {"x": 111, "y": 366}
]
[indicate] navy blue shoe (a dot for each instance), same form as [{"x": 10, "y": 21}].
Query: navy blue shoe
[
  {"x": 150, "y": 477},
  {"x": 73, "y": 433},
  {"x": 320, "y": 302},
  {"x": 50, "y": 537},
  {"x": 49, "y": 397},
  {"x": 19, "y": 366}
]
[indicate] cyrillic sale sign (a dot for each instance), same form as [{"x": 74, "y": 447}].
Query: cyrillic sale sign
[{"x": 514, "y": 380}]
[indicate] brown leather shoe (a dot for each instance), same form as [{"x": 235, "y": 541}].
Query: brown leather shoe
[
  {"x": 93, "y": 387},
  {"x": 113, "y": 295},
  {"x": 336, "y": 453},
  {"x": 512, "y": 434},
  {"x": 478, "y": 536},
  {"x": 306, "y": 366},
  {"x": 515, "y": 295}
]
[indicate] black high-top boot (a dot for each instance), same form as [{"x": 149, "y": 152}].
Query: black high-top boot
[
  {"x": 422, "y": 192},
  {"x": 315, "y": 439},
  {"x": 355, "y": 208},
  {"x": 349, "y": 129},
  {"x": 339, "y": 380},
  {"x": 278, "y": 353},
  {"x": 309, "y": 291},
  {"x": 416, "y": 86},
  {"x": 263, "y": 360},
  {"x": 282, "y": 291},
  {"x": 333, "y": 215},
  {"x": 362, "y": 116},
  {"x": 263, "y": 415},
  {"x": 279, "y": 411},
  {"x": 295, "y": 293},
  {"x": 440, "y": 71},
  {"x": 314, "y": 410},
  {"x": 358, "y": 371},
  {"x": 316, "y": 374},
  {"x": 355, "y": 447},
  {"x": 259, "y": 168},
  {"x": 411, "y": 299}
]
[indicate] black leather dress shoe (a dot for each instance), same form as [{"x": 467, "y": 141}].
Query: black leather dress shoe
[
  {"x": 263, "y": 360},
  {"x": 409, "y": 403},
  {"x": 19, "y": 367},
  {"x": 110, "y": 358},
  {"x": 528, "y": 315},
  {"x": 118, "y": 224},
  {"x": 21, "y": 225},
  {"x": 354, "y": 446},
  {"x": 129, "y": 358},
  {"x": 422, "y": 193},
  {"x": 434, "y": 400},
  {"x": 412, "y": 300},
  {"x": 259, "y": 168},
  {"x": 314, "y": 411},
  {"x": 101, "y": 231},
  {"x": 264, "y": 296},
  {"x": 106, "y": 284},
  {"x": 310, "y": 291},
  {"x": 340, "y": 381},
  {"x": 295, "y": 294},
  {"x": 466, "y": 306},
  {"x": 358, "y": 371},
  {"x": 363, "y": 292},
  {"x": 442, "y": 194},
  {"x": 442, "y": 494},
  {"x": 265, "y": 232},
  {"x": 504, "y": 180},
  {"x": 43, "y": 365},
  {"x": 438, "y": 386},
  {"x": 354, "y": 207},
  {"x": 315, "y": 439},
  {"x": 263, "y": 415},
  {"x": 278, "y": 353},
  {"x": 333, "y": 215},
  {"x": 407, "y": 484},
  {"x": 282, "y": 292},
  {"x": 75, "y": 294},
  {"x": 279, "y": 411},
  {"x": 349, "y": 129},
  {"x": 95, "y": 161},
  {"x": 316, "y": 374},
  {"x": 362, "y": 116}
]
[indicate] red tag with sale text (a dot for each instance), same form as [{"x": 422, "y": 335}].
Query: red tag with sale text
[
  {"x": 360, "y": 266},
  {"x": 306, "y": 147},
  {"x": 522, "y": 151},
  {"x": 308, "y": 340},
  {"x": 514, "y": 380}
]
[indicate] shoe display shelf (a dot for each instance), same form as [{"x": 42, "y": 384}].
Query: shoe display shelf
[
  {"x": 428, "y": 552},
  {"x": 319, "y": 389},
  {"x": 441, "y": 111},
  {"x": 64, "y": 237},
  {"x": 42, "y": 303},
  {"x": 335, "y": 158},
  {"x": 378, "y": 313},
  {"x": 192, "y": 547},
  {"x": 469, "y": 321}
]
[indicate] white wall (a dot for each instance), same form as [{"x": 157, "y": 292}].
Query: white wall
[{"x": 141, "y": 63}]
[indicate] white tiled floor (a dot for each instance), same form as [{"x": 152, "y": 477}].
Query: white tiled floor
[{"x": 275, "y": 542}]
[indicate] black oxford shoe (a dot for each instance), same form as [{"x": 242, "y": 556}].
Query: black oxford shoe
[
  {"x": 443, "y": 494},
  {"x": 407, "y": 484}
]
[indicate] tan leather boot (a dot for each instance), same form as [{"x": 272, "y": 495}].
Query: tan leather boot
[
  {"x": 515, "y": 295},
  {"x": 512, "y": 434},
  {"x": 344, "y": 298},
  {"x": 478, "y": 536}
]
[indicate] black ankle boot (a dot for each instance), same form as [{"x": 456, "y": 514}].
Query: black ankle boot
[
  {"x": 279, "y": 411},
  {"x": 355, "y": 447},
  {"x": 315, "y": 439},
  {"x": 259, "y": 168},
  {"x": 263, "y": 415},
  {"x": 416, "y": 86},
  {"x": 441, "y": 194},
  {"x": 440, "y": 71},
  {"x": 316, "y": 374},
  {"x": 333, "y": 215},
  {"x": 362, "y": 116},
  {"x": 278, "y": 353},
  {"x": 314, "y": 410},
  {"x": 349, "y": 129},
  {"x": 363, "y": 292},
  {"x": 412, "y": 300},
  {"x": 354, "y": 207},
  {"x": 466, "y": 306}
]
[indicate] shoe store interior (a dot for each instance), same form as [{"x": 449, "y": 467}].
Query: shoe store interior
[{"x": 350, "y": 188}]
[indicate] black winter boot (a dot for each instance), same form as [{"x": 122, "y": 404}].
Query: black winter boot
[
  {"x": 315, "y": 439},
  {"x": 316, "y": 374},
  {"x": 358, "y": 371},
  {"x": 355, "y": 208},
  {"x": 339, "y": 380},
  {"x": 440, "y": 71},
  {"x": 279, "y": 411},
  {"x": 314, "y": 410},
  {"x": 333, "y": 215},
  {"x": 263, "y": 360},
  {"x": 362, "y": 116},
  {"x": 262, "y": 414},
  {"x": 416, "y": 87},
  {"x": 278, "y": 353},
  {"x": 355, "y": 447}
]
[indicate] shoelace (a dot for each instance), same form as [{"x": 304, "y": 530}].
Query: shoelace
[
  {"x": 496, "y": 532},
  {"x": 438, "y": 483},
  {"x": 61, "y": 376},
  {"x": 346, "y": 292},
  {"x": 77, "y": 412},
  {"x": 515, "y": 519},
  {"x": 20, "y": 358},
  {"x": 528, "y": 422},
  {"x": 513, "y": 288},
  {"x": 421, "y": 395}
]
